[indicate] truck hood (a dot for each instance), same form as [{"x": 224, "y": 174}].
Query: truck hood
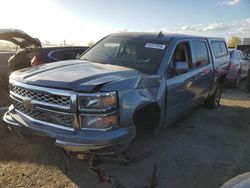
[
  {"x": 19, "y": 38},
  {"x": 75, "y": 75}
]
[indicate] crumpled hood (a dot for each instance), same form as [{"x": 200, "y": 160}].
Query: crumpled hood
[{"x": 76, "y": 75}]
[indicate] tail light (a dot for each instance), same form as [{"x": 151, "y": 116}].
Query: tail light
[{"x": 36, "y": 60}]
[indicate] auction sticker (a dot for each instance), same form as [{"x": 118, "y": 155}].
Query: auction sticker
[{"x": 155, "y": 46}]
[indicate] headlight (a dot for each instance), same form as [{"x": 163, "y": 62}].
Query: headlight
[
  {"x": 99, "y": 121},
  {"x": 98, "y": 111},
  {"x": 97, "y": 101}
]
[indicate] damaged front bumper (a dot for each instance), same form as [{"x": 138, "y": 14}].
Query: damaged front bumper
[{"x": 80, "y": 141}]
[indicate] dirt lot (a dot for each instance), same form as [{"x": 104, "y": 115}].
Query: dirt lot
[{"x": 203, "y": 149}]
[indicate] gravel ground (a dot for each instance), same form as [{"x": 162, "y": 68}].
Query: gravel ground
[{"x": 203, "y": 149}]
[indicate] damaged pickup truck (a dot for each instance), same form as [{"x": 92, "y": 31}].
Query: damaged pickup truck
[{"x": 124, "y": 83}]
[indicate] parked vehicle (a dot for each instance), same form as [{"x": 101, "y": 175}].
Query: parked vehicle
[
  {"x": 124, "y": 83},
  {"x": 245, "y": 50},
  {"x": 30, "y": 52},
  {"x": 239, "y": 66},
  {"x": 53, "y": 54},
  {"x": 4, "y": 68},
  {"x": 26, "y": 44}
]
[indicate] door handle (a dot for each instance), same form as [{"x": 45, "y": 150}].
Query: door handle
[{"x": 203, "y": 74}]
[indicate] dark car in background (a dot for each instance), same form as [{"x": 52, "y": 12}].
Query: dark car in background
[
  {"x": 53, "y": 54},
  {"x": 4, "y": 67},
  {"x": 245, "y": 49},
  {"x": 238, "y": 69},
  {"x": 30, "y": 52},
  {"x": 26, "y": 46}
]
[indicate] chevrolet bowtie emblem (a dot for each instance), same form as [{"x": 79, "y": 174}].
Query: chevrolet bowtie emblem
[{"x": 27, "y": 103}]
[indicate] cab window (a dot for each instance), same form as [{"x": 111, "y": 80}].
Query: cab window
[
  {"x": 219, "y": 48},
  {"x": 199, "y": 54},
  {"x": 181, "y": 54},
  {"x": 223, "y": 48}
]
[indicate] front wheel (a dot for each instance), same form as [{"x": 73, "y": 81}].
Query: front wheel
[{"x": 213, "y": 101}]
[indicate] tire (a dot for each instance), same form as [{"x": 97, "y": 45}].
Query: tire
[
  {"x": 236, "y": 82},
  {"x": 213, "y": 101}
]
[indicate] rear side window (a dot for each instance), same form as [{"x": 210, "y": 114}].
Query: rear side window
[
  {"x": 219, "y": 48},
  {"x": 200, "y": 54},
  {"x": 223, "y": 48},
  {"x": 216, "y": 49}
]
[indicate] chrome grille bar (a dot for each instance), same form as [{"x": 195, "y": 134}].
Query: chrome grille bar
[
  {"x": 45, "y": 116},
  {"x": 50, "y": 106},
  {"x": 43, "y": 95}
]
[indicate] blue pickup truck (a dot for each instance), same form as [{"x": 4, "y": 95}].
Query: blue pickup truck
[{"x": 125, "y": 83}]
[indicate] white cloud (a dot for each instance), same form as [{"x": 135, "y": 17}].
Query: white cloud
[
  {"x": 248, "y": 20},
  {"x": 244, "y": 29},
  {"x": 237, "y": 27},
  {"x": 216, "y": 27},
  {"x": 229, "y": 2},
  {"x": 188, "y": 28},
  {"x": 63, "y": 25}
]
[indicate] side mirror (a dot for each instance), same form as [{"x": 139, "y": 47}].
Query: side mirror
[{"x": 181, "y": 67}]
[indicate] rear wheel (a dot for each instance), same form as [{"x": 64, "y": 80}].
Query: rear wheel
[{"x": 213, "y": 101}]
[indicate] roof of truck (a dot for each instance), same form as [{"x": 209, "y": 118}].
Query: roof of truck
[{"x": 160, "y": 36}]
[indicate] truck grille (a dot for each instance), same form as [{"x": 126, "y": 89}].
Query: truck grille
[
  {"x": 51, "y": 107},
  {"x": 41, "y": 96},
  {"x": 45, "y": 116}
]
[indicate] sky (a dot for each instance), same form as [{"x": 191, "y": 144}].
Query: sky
[{"x": 81, "y": 21}]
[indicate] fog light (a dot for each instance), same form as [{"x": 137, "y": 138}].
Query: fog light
[{"x": 99, "y": 121}]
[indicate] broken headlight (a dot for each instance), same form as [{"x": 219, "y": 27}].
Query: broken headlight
[
  {"x": 99, "y": 121},
  {"x": 98, "y": 111},
  {"x": 101, "y": 101}
]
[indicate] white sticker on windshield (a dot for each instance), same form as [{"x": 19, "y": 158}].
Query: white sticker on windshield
[{"x": 155, "y": 46}]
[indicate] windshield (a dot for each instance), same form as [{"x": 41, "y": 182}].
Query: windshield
[{"x": 141, "y": 54}]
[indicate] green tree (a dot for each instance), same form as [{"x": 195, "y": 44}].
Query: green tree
[
  {"x": 91, "y": 43},
  {"x": 234, "y": 41}
]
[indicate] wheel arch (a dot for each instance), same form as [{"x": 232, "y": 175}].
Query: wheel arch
[{"x": 147, "y": 116}]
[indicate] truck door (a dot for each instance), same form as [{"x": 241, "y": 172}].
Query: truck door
[
  {"x": 179, "y": 85},
  {"x": 202, "y": 68}
]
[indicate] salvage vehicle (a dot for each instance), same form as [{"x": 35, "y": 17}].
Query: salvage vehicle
[
  {"x": 30, "y": 52},
  {"x": 239, "y": 66},
  {"x": 125, "y": 83},
  {"x": 26, "y": 44},
  {"x": 4, "y": 68}
]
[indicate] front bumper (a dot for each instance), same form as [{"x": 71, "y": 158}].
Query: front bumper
[{"x": 83, "y": 141}]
